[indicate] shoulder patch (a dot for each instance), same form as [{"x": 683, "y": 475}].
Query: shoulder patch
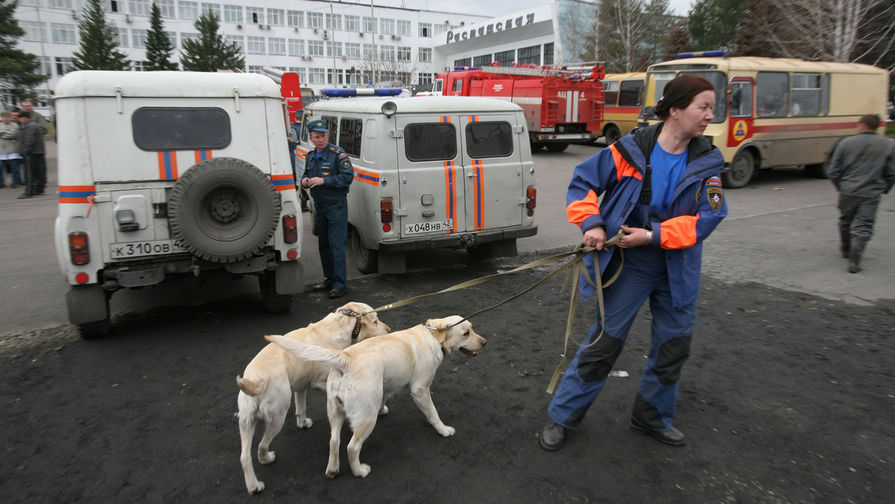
[
  {"x": 715, "y": 196},
  {"x": 343, "y": 155},
  {"x": 713, "y": 181},
  {"x": 346, "y": 164}
]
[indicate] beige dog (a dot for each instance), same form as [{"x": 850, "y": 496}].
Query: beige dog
[
  {"x": 274, "y": 376},
  {"x": 365, "y": 375}
]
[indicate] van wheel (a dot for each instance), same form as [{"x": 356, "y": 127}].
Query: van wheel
[
  {"x": 275, "y": 303},
  {"x": 816, "y": 171},
  {"x": 611, "y": 135},
  {"x": 741, "y": 170},
  {"x": 223, "y": 210},
  {"x": 92, "y": 330},
  {"x": 557, "y": 147},
  {"x": 365, "y": 260}
]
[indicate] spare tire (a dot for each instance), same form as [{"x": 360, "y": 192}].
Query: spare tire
[{"x": 223, "y": 210}]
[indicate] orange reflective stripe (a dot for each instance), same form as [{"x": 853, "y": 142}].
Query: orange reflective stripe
[
  {"x": 622, "y": 167},
  {"x": 679, "y": 232},
  {"x": 578, "y": 211}
]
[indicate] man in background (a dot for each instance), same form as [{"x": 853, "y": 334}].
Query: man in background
[{"x": 31, "y": 148}]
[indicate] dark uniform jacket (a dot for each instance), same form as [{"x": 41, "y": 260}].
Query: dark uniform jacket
[
  {"x": 863, "y": 166},
  {"x": 336, "y": 170},
  {"x": 31, "y": 139}
]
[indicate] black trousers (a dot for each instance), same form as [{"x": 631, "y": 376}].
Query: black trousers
[{"x": 35, "y": 174}]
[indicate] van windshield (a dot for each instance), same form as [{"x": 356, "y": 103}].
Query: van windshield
[{"x": 658, "y": 80}]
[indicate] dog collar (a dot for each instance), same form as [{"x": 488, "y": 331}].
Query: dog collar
[{"x": 357, "y": 316}]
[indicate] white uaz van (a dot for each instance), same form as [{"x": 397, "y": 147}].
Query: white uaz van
[
  {"x": 431, "y": 172},
  {"x": 165, "y": 173}
]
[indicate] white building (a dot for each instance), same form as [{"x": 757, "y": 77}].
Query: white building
[{"x": 326, "y": 43}]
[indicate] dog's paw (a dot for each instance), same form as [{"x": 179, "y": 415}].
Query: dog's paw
[
  {"x": 267, "y": 458},
  {"x": 383, "y": 411},
  {"x": 257, "y": 488},
  {"x": 331, "y": 474},
  {"x": 361, "y": 471},
  {"x": 447, "y": 431},
  {"x": 304, "y": 423}
]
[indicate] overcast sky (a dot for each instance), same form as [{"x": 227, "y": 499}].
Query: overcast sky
[{"x": 494, "y": 8}]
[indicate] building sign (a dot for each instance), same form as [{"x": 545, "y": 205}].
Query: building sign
[{"x": 485, "y": 30}]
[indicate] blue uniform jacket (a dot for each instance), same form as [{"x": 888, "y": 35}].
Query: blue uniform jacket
[
  {"x": 336, "y": 170},
  {"x": 617, "y": 174}
]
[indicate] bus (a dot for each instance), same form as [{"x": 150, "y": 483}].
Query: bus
[
  {"x": 623, "y": 93},
  {"x": 772, "y": 112}
]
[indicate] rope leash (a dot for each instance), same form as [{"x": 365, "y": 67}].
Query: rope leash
[{"x": 573, "y": 266}]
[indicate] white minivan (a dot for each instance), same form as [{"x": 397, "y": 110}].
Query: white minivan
[
  {"x": 431, "y": 172},
  {"x": 166, "y": 173}
]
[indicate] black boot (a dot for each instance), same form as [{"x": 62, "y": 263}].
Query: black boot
[{"x": 854, "y": 254}]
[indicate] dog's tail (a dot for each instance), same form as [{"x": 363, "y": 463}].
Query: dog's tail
[
  {"x": 335, "y": 358},
  {"x": 251, "y": 387}
]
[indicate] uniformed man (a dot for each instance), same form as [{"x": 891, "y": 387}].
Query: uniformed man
[{"x": 328, "y": 174}]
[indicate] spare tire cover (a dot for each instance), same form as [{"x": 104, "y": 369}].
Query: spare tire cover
[{"x": 223, "y": 210}]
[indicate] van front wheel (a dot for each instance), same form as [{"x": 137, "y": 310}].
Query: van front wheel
[
  {"x": 365, "y": 260},
  {"x": 741, "y": 170}
]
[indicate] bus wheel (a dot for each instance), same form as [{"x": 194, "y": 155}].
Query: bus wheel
[
  {"x": 740, "y": 171},
  {"x": 557, "y": 147},
  {"x": 611, "y": 135},
  {"x": 365, "y": 260}
]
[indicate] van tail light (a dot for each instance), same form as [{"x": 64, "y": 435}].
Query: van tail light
[
  {"x": 290, "y": 228},
  {"x": 531, "y": 200},
  {"x": 79, "y": 248},
  {"x": 386, "y": 214}
]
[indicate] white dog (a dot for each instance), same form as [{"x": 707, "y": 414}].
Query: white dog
[
  {"x": 274, "y": 376},
  {"x": 365, "y": 375}
]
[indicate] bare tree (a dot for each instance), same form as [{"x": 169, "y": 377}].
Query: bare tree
[
  {"x": 632, "y": 33},
  {"x": 835, "y": 29}
]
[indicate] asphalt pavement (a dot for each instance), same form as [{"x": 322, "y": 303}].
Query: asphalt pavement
[{"x": 781, "y": 231}]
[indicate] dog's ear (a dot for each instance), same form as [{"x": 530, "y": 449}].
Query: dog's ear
[{"x": 270, "y": 337}]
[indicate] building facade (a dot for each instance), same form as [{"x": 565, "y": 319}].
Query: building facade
[{"x": 328, "y": 43}]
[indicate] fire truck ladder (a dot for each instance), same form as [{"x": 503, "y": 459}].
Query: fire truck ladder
[{"x": 582, "y": 72}]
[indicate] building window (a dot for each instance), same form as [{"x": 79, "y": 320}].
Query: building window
[
  {"x": 172, "y": 37},
  {"x": 276, "y": 46},
  {"x": 462, "y": 62},
  {"x": 387, "y": 52},
  {"x": 46, "y": 65},
  {"x": 369, "y": 25},
  {"x": 138, "y": 66},
  {"x": 426, "y": 30},
  {"x": 63, "y": 65},
  {"x": 238, "y": 40},
  {"x": 505, "y": 58},
  {"x": 425, "y": 55},
  {"x": 255, "y": 69},
  {"x": 233, "y": 13},
  {"x": 138, "y": 37},
  {"x": 424, "y": 78},
  {"x": 139, "y": 7},
  {"x": 296, "y": 19},
  {"x": 386, "y": 26},
  {"x": 334, "y": 47},
  {"x": 256, "y": 45},
  {"x": 404, "y": 28},
  {"x": 368, "y": 51},
  {"x": 481, "y": 61},
  {"x": 334, "y": 77},
  {"x": 404, "y": 53},
  {"x": 315, "y": 20},
  {"x": 334, "y": 22},
  {"x": 34, "y": 31},
  {"x": 315, "y": 48},
  {"x": 296, "y": 47},
  {"x": 439, "y": 28},
  {"x": 530, "y": 55},
  {"x": 548, "y": 53},
  {"x": 352, "y": 50},
  {"x": 255, "y": 15},
  {"x": 215, "y": 8},
  {"x": 316, "y": 75},
  {"x": 189, "y": 11},
  {"x": 167, "y": 8},
  {"x": 352, "y": 23},
  {"x": 188, "y": 36},
  {"x": 63, "y": 33},
  {"x": 59, "y": 4},
  {"x": 123, "y": 38},
  {"x": 275, "y": 17}
]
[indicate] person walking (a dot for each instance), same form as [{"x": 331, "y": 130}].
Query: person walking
[
  {"x": 31, "y": 147},
  {"x": 862, "y": 168},
  {"x": 661, "y": 187},
  {"x": 328, "y": 174},
  {"x": 9, "y": 152}
]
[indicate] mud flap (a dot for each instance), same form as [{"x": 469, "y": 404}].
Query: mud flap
[
  {"x": 290, "y": 278},
  {"x": 87, "y": 303}
]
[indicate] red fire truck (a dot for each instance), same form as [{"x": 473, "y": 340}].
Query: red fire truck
[{"x": 562, "y": 105}]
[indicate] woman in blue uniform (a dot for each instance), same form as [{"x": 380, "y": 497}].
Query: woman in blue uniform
[{"x": 660, "y": 186}]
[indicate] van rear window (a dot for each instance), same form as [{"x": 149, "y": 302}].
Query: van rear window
[
  {"x": 181, "y": 128},
  {"x": 430, "y": 142},
  {"x": 489, "y": 139}
]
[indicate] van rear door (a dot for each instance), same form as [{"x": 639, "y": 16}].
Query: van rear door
[{"x": 492, "y": 171}]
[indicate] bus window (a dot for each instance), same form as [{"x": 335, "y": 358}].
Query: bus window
[
  {"x": 629, "y": 95},
  {"x": 610, "y": 93},
  {"x": 771, "y": 89},
  {"x": 740, "y": 99},
  {"x": 661, "y": 80},
  {"x": 806, "y": 94}
]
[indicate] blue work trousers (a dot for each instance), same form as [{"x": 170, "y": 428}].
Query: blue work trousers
[
  {"x": 332, "y": 235},
  {"x": 643, "y": 276}
]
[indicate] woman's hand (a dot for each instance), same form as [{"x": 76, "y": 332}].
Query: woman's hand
[
  {"x": 634, "y": 237},
  {"x": 594, "y": 237}
]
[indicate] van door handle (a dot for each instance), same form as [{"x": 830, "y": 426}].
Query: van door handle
[{"x": 471, "y": 174}]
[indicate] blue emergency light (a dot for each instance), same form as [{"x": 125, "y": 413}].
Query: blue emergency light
[
  {"x": 346, "y": 92},
  {"x": 717, "y": 53}
]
